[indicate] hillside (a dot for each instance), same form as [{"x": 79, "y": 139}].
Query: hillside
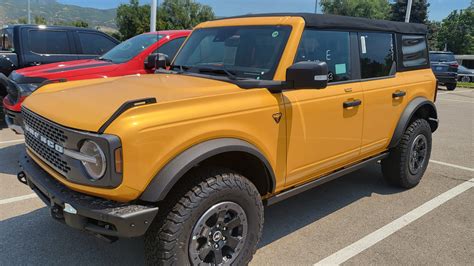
[{"x": 54, "y": 12}]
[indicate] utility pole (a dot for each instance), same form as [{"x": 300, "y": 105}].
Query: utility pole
[
  {"x": 153, "y": 15},
  {"x": 316, "y": 7},
  {"x": 407, "y": 15},
  {"x": 29, "y": 12}
]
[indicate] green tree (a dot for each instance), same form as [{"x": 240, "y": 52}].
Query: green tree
[
  {"x": 182, "y": 14},
  {"x": 375, "y": 9},
  {"x": 457, "y": 32},
  {"x": 80, "y": 24},
  {"x": 419, "y": 11},
  {"x": 133, "y": 19},
  {"x": 22, "y": 20},
  {"x": 39, "y": 20},
  {"x": 433, "y": 29}
]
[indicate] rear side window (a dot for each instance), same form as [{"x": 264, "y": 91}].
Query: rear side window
[
  {"x": 96, "y": 44},
  {"x": 49, "y": 42},
  {"x": 377, "y": 57},
  {"x": 332, "y": 47},
  {"x": 7, "y": 40},
  {"x": 171, "y": 48},
  {"x": 414, "y": 51}
]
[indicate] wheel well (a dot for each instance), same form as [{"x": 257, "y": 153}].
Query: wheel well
[{"x": 428, "y": 113}]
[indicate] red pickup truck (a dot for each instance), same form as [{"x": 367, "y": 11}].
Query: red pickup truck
[{"x": 134, "y": 56}]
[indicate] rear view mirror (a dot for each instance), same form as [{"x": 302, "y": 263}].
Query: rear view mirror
[
  {"x": 307, "y": 75},
  {"x": 155, "y": 61}
]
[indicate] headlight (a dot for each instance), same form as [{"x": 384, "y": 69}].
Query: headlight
[{"x": 96, "y": 170}]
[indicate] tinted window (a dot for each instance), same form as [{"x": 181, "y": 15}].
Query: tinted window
[
  {"x": 95, "y": 43},
  {"x": 442, "y": 57},
  {"x": 49, "y": 42},
  {"x": 7, "y": 40},
  {"x": 376, "y": 55},
  {"x": 333, "y": 47},
  {"x": 414, "y": 50},
  {"x": 245, "y": 51},
  {"x": 171, "y": 48},
  {"x": 131, "y": 48}
]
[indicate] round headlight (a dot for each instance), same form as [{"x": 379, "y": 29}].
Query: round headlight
[{"x": 95, "y": 170}]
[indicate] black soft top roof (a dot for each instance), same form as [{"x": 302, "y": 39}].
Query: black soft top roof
[{"x": 349, "y": 23}]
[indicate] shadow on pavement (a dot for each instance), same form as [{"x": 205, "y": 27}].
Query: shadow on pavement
[
  {"x": 9, "y": 156},
  {"x": 35, "y": 238}
]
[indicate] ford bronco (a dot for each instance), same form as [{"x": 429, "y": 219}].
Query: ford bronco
[{"x": 251, "y": 111}]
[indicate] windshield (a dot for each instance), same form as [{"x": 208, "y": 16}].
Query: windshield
[
  {"x": 130, "y": 48},
  {"x": 242, "y": 52},
  {"x": 7, "y": 40},
  {"x": 442, "y": 57}
]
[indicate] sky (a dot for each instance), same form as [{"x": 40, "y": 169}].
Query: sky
[{"x": 439, "y": 9}]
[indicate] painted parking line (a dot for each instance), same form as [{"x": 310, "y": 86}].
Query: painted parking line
[
  {"x": 459, "y": 101},
  {"x": 455, "y": 92},
  {"x": 15, "y": 199},
  {"x": 384, "y": 232},
  {"x": 373, "y": 238},
  {"x": 12, "y": 141}
]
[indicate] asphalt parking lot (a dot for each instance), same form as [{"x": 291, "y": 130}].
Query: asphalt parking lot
[{"x": 355, "y": 220}]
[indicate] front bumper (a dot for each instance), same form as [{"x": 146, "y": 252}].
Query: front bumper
[
  {"x": 14, "y": 120},
  {"x": 95, "y": 215}
]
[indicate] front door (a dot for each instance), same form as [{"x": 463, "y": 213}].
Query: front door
[{"x": 324, "y": 127}]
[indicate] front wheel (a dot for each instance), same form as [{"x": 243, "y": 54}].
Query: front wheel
[
  {"x": 216, "y": 220},
  {"x": 451, "y": 86},
  {"x": 408, "y": 161}
]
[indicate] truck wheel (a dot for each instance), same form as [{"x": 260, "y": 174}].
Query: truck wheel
[
  {"x": 451, "y": 86},
  {"x": 217, "y": 220},
  {"x": 408, "y": 161}
]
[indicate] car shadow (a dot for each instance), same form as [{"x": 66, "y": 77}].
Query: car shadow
[
  {"x": 34, "y": 238},
  {"x": 9, "y": 156}
]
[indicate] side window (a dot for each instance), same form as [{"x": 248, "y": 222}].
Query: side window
[
  {"x": 414, "y": 51},
  {"x": 333, "y": 47},
  {"x": 93, "y": 43},
  {"x": 377, "y": 57},
  {"x": 49, "y": 42},
  {"x": 171, "y": 48}
]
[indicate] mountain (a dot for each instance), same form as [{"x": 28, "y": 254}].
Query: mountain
[{"x": 12, "y": 10}]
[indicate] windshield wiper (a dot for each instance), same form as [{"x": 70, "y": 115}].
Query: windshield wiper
[
  {"x": 181, "y": 68},
  {"x": 105, "y": 59},
  {"x": 218, "y": 70}
]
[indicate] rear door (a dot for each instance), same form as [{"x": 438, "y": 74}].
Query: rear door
[
  {"x": 43, "y": 46},
  {"x": 92, "y": 44}
]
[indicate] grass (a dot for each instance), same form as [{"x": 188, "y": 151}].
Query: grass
[{"x": 466, "y": 85}]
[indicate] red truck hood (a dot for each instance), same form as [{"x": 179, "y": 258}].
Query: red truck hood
[{"x": 63, "y": 70}]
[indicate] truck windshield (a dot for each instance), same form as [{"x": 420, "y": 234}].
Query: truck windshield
[
  {"x": 130, "y": 48},
  {"x": 7, "y": 40},
  {"x": 251, "y": 52}
]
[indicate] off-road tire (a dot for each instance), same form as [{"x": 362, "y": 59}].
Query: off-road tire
[
  {"x": 167, "y": 240},
  {"x": 395, "y": 167},
  {"x": 451, "y": 86}
]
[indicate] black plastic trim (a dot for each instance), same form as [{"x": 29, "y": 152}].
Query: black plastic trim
[
  {"x": 408, "y": 113},
  {"x": 169, "y": 175},
  {"x": 312, "y": 184},
  {"x": 124, "y": 107}
]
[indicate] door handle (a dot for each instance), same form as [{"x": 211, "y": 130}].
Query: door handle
[
  {"x": 352, "y": 103},
  {"x": 398, "y": 94}
]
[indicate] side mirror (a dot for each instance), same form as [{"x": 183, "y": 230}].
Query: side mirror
[
  {"x": 307, "y": 75},
  {"x": 155, "y": 61}
]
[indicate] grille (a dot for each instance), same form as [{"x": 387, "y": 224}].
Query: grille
[{"x": 51, "y": 132}]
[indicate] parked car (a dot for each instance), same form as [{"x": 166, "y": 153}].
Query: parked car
[
  {"x": 134, "y": 56},
  {"x": 31, "y": 45},
  {"x": 252, "y": 110},
  {"x": 465, "y": 74},
  {"x": 445, "y": 68}
]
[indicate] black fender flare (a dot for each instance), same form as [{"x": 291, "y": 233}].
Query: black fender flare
[
  {"x": 407, "y": 115},
  {"x": 172, "y": 172}
]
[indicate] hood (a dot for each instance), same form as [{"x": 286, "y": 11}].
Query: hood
[
  {"x": 62, "y": 70},
  {"x": 88, "y": 104}
]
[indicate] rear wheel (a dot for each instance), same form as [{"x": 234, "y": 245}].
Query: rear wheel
[
  {"x": 465, "y": 79},
  {"x": 451, "y": 86},
  {"x": 408, "y": 161},
  {"x": 217, "y": 219}
]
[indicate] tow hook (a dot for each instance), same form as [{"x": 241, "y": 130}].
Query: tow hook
[{"x": 22, "y": 177}]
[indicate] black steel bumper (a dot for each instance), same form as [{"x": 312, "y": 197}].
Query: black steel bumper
[
  {"x": 92, "y": 214},
  {"x": 14, "y": 121}
]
